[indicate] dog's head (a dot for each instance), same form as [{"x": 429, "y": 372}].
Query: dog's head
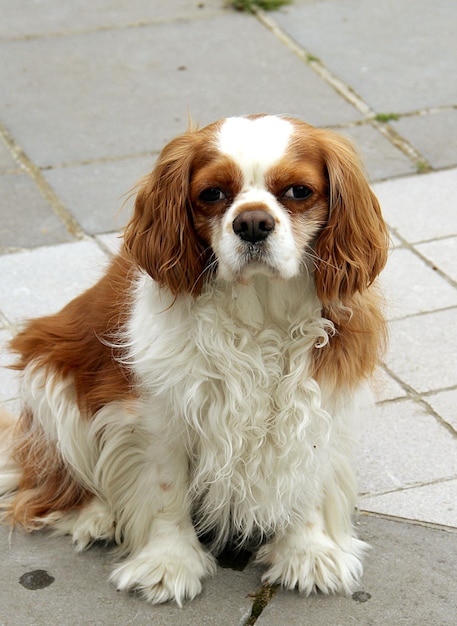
[{"x": 258, "y": 194}]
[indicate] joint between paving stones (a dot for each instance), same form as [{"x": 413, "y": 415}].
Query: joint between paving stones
[
  {"x": 345, "y": 91},
  {"x": 41, "y": 183},
  {"x": 420, "y": 399},
  {"x": 412, "y": 248},
  {"x": 261, "y": 598}
]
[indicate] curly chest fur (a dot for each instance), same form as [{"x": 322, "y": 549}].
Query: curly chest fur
[{"x": 232, "y": 371}]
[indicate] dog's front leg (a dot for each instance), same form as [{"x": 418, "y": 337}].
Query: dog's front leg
[
  {"x": 143, "y": 472},
  {"x": 307, "y": 557}
]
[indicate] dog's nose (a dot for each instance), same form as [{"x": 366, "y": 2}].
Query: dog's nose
[{"x": 253, "y": 226}]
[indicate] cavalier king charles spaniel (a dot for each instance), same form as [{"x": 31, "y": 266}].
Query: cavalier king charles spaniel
[{"x": 208, "y": 384}]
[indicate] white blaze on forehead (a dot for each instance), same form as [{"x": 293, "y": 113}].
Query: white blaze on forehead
[{"x": 254, "y": 144}]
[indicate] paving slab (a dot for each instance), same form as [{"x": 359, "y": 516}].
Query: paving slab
[
  {"x": 396, "y": 452},
  {"x": 73, "y": 588},
  {"x": 24, "y": 18},
  {"x": 381, "y": 159},
  {"x": 7, "y": 163},
  {"x": 26, "y": 218},
  {"x": 97, "y": 194},
  {"x": 416, "y": 210},
  {"x": 426, "y": 359},
  {"x": 398, "y": 56},
  {"x": 385, "y": 387},
  {"x": 412, "y": 286},
  {"x": 409, "y": 579},
  {"x": 433, "y": 134},
  {"x": 115, "y": 92},
  {"x": 40, "y": 282},
  {"x": 443, "y": 254},
  {"x": 444, "y": 404},
  {"x": 428, "y": 503}
]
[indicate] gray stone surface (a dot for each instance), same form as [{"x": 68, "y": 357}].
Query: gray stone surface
[
  {"x": 409, "y": 579},
  {"x": 398, "y": 56},
  {"x": 402, "y": 457},
  {"x": 25, "y": 18},
  {"x": 434, "y": 135},
  {"x": 114, "y": 92},
  {"x": 81, "y": 593},
  {"x": 26, "y": 218},
  {"x": 444, "y": 404},
  {"x": 412, "y": 286},
  {"x": 413, "y": 209},
  {"x": 97, "y": 193},
  {"x": 40, "y": 282},
  {"x": 7, "y": 163},
  {"x": 382, "y": 160},
  {"x": 427, "y": 360},
  {"x": 442, "y": 254}
]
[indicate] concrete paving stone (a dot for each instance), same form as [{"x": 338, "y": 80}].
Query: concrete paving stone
[
  {"x": 443, "y": 253},
  {"x": 8, "y": 378},
  {"x": 381, "y": 159},
  {"x": 25, "y": 18},
  {"x": 111, "y": 242},
  {"x": 445, "y": 403},
  {"x": 428, "y": 503},
  {"x": 7, "y": 162},
  {"x": 26, "y": 218},
  {"x": 126, "y": 91},
  {"x": 410, "y": 286},
  {"x": 42, "y": 281},
  {"x": 385, "y": 387},
  {"x": 402, "y": 445},
  {"x": 411, "y": 72},
  {"x": 395, "y": 242},
  {"x": 95, "y": 193},
  {"x": 420, "y": 208},
  {"x": 423, "y": 350},
  {"x": 81, "y": 593},
  {"x": 409, "y": 578},
  {"x": 434, "y": 135}
]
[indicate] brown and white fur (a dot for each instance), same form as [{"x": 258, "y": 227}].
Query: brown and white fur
[{"x": 210, "y": 381}]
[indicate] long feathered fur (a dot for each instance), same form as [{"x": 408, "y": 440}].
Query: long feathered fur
[{"x": 187, "y": 392}]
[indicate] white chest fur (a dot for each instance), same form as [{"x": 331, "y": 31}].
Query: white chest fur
[{"x": 229, "y": 374}]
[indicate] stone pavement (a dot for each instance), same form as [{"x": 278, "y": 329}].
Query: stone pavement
[{"x": 89, "y": 93}]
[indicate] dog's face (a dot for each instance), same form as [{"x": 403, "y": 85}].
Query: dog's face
[
  {"x": 260, "y": 199},
  {"x": 260, "y": 194}
]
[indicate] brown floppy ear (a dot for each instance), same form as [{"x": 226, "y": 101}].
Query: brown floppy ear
[
  {"x": 161, "y": 236},
  {"x": 352, "y": 248}
]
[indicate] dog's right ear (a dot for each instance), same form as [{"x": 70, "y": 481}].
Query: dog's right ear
[{"x": 161, "y": 237}]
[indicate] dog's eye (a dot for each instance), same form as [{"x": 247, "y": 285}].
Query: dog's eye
[
  {"x": 298, "y": 192},
  {"x": 212, "y": 194}
]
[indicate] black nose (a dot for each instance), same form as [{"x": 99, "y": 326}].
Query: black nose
[{"x": 254, "y": 225}]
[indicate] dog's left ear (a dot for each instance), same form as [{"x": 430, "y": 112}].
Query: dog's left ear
[
  {"x": 352, "y": 248},
  {"x": 161, "y": 236}
]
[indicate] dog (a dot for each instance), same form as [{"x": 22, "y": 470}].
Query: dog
[{"x": 210, "y": 381}]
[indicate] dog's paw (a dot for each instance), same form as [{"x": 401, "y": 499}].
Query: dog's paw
[
  {"x": 94, "y": 522},
  {"x": 162, "y": 572},
  {"x": 321, "y": 565}
]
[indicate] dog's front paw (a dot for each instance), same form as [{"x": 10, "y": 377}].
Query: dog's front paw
[
  {"x": 320, "y": 565},
  {"x": 93, "y": 522},
  {"x": 162, "y": 572}
]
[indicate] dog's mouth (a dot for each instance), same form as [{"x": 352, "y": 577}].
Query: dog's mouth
[{"x": 255, "y": 258}]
